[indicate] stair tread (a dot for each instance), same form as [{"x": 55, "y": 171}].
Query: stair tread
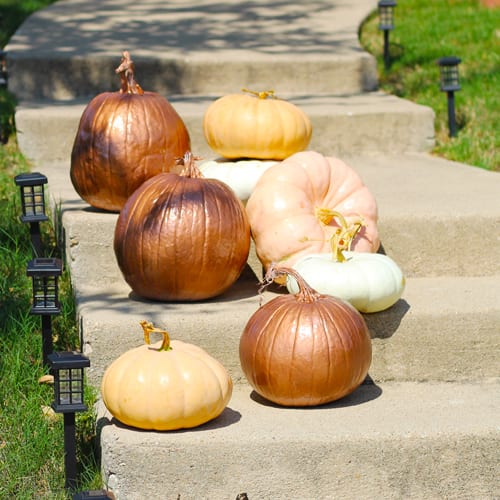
[
  {"x": 386, "y": 411},
  {"x": 389, "y": 441}
]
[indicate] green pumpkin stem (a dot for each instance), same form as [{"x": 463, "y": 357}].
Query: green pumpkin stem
[
  {"x": 305, "y": 293},
  {"x": 343, "y": 237},
  {"x": 261, "y": 95},
  {"x": 148, "y": 328},
  {"x": 126, "y": 70}
]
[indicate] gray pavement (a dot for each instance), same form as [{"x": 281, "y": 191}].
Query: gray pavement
[{"x": 426, "y": 425}]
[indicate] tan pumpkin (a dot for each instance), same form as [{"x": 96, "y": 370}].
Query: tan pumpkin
[
  {"x": 165, "y": 386},
  {"x": 292, "y": 208},
  {"x": 256, "y": 125},
  {"x": 305, "y": 349},
  {"x": 123, "y": 139},
  {"x": 182, "y": 237}
]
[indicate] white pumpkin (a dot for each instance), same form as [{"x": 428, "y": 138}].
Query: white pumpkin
[
  {"x": 371, "y": 282},
  {"x": 240, "y": 175}
]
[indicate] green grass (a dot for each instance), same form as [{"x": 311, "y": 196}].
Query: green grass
[
  {"x": 31, "y": 445},
  {"x": 426, "y": 31}
]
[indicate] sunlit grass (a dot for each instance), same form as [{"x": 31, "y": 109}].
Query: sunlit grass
[{"x": 426, "y": 31}]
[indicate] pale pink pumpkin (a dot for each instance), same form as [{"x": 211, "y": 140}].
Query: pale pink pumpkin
[{"x": 290, "y": 208}]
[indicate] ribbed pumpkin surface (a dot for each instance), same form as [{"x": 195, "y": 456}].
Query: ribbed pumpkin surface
[
  {"x": 165, "y": 390},
  {"x": 123, "y": 139},
  {"x": 249, "y": 126},
  {"x": 182, "y": 238},
  {"x": 305, "y": 350}
]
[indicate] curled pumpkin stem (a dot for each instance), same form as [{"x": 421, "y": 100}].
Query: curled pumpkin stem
[
  {"x": 305, "y": 293},
  {"x": 189, "y": 162},
  {"x": 261, "y": 95},
  {"x": 344, "y": 235},
  {"x": 126, "y": 70},
  {"x": 148, "y": 328}
]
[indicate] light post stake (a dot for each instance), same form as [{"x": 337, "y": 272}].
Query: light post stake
[{"x": 68, "y": 370}]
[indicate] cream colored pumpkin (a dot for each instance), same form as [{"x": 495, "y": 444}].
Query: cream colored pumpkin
[
  {"x": 256, "y": 125},
  {"x": 371, "y": 282},
  {"x": 165, "y": 386},
  {"x": 240, "y": 175},
  {"x": 292, "y": 208}
]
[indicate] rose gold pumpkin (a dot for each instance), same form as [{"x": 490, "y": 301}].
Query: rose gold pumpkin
[{"x": 305, "y": 349}]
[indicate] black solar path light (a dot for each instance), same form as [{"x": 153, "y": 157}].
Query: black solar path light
[
  {"x": 68, "y": 370},
  {"x": 45, "y": 274},
  {"x": 386, "y": 24},
  {"x": 450, "y": 83},
  {"x": 33, "y": 205}
]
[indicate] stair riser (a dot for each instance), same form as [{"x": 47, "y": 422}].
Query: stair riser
[
  {"x": 409, "y": 344},
  {"x": 85, "y": 77},
  {"x": 89, "y": 241},
  {"x": 336, "y": 134}
]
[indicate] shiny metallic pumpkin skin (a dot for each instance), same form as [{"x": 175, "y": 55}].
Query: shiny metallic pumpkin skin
[
  {"x": 122, "y": 140},
  {"x": 305, "y": 350},
  {"x": 180, "y": 238}
]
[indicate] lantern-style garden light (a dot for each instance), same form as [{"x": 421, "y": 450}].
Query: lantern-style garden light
[
  {"x": 386, "y": 24},
  {"x": 33, "y": 205},
  {"x": 450, "y": 83},
  {"x": 68, "y": 370},
  {"x": 45, "y": 273}
]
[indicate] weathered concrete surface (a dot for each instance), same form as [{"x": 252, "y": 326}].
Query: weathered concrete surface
[
  {"x": 409, "y": 440},
  {"x": 429, "y": 223},
  {"x": 355, "y": 124},
  {"x": 443, "y": 329},
  {"x": 72, "y": 48}
]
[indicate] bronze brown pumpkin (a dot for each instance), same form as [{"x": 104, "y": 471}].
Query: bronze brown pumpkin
[
  {"x": 123, "y": 139},
  {"x": 182, "y": 237},
  {"x": 305, "y": 349}
]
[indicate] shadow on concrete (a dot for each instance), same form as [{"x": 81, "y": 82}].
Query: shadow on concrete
[
  {"x": 367, "y": 391},
  {"x": 384, "y": 324},
  {"x": 225, "y": 419}
]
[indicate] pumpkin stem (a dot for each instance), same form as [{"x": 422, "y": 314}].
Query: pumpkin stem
[
  {"x": 343, "y": 237},
  {"x": 190, "y": 169},
  {"x": 261, "y": 95},
  {"x": 126, "y": 71},
  {"x": 305, "y": 293},
  {"x": 148, "y": 328}
]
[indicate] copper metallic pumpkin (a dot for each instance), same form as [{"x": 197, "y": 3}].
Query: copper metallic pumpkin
[
  {"x": 305, "y": 349},
  {"x": 182, "y": 237},
  {"x": 123, "y": 139}
]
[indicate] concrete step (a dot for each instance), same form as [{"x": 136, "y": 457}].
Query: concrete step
[
  {"x": 72, "y": 48},
  {"x": 390, "y": 441},
  {"x": 430, "y": 221},
  {"x": 444, "y": 329},
  {"x": 354, "y": 124}
]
